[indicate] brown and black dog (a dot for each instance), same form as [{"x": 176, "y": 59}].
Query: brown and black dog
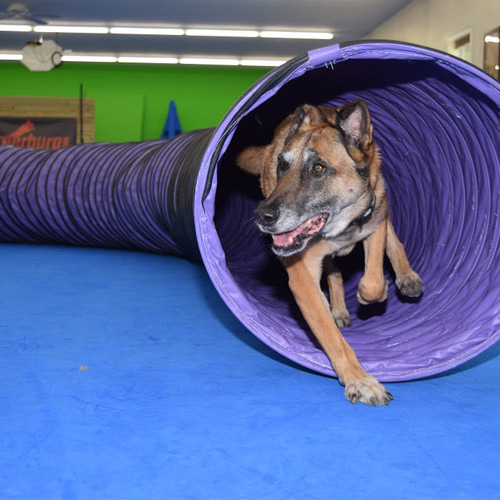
[{"x": 324, "y": 192}]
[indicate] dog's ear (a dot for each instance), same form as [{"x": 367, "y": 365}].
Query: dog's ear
[
  {"x": 354, "y": 120},
  {"x": 330, "y": 115},
  {"x": 303, "y": 115},
  {"x": 290, "y": 126},
  {"x": 252, "y": 159},
  {"x": 263, "y": 160},
  {"x": 283, "y": 134}
]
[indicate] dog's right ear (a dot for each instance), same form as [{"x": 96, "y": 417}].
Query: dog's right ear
[
  {"x": 263, "y": 160},
  {"x": 252, "y": 159},
  {"x": 304, "y": 115}
]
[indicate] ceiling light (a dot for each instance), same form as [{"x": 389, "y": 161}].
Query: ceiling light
[
  {"x": 128, "y": 59},
  {"x": 222, "y": 32},
  {"x": 15, "y": 27},
  {"x": 208, "y": 32},
  {"x": 147, "y": 60},
  {"x": 89, "y": 58},
  {"x": 209, "y": 61},
  {"x": 95, "y": 30},
  {"x": 11, "y": 57},
  {"x": 146, "y": 31},
  {"x": 262, "y": 62},
  {"x": 297, "y": 34},
  {"x": 491, "y": 39}
]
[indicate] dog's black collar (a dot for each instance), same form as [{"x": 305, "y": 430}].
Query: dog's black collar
[{"x": 367, "y": 215}]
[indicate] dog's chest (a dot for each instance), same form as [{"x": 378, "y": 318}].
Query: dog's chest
[{"x": 344, "y": 244}]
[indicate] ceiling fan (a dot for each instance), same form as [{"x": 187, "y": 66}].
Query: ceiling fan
[{"x": 18, "y": 11}]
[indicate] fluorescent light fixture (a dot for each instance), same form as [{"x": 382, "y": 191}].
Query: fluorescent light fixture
[
  {"x": 94, "y": 30},
  {"x": 222, "y": 32},
  {"x": 15, "y": 27},
  {"x": 262, "y": 62},
  {"x": 129, "y": 59},
  {"x": 491, "y": 39},
  {"x": 297, "y": 34},
  {"x": 209, "y": 61},
  {"x": 89, "y": 58},
  {"x": 11, "y": 57},
  {"x": 208, "y": 32},
  {"x": 147, "y": 60},
  {"x": 146, "y": 31}
]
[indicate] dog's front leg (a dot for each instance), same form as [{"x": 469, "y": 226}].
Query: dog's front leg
[
  {"x": 373, "y": 285},
  {"x": 304, "y": 277},
  {"x": 336, "y": 291},
  {"x": 407, "y": 280}
]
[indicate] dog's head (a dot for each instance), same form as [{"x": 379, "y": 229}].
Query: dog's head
[{"x": 317, "y": 175}]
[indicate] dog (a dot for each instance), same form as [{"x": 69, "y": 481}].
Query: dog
[{"x": 324, "y": 192}]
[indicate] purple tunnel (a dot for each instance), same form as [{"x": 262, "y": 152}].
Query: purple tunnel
[{"x": 437, "y": 122}]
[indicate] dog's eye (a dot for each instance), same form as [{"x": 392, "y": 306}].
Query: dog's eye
[{"x": 318, "y": 169}]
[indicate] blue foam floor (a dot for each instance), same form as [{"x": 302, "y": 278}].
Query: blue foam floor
[{"x": 124, "y": 376}]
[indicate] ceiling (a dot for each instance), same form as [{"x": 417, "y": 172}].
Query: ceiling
[{"x": 347, "y": 19}]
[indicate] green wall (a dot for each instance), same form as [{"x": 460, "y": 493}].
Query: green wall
[{"x": 131, "y": 102}]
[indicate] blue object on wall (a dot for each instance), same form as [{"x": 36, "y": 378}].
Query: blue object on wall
[{"x": 172, "y": 125}]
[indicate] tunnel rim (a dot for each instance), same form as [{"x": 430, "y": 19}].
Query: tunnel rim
[{"x": 206, "y": 186}]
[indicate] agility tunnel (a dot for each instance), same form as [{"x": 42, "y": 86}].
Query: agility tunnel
[{"x": 437, "y": 122}]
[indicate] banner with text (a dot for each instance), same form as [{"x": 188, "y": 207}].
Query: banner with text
[{"x": 38, "y": 133}]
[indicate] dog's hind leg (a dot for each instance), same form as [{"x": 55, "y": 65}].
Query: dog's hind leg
[
  {"x": 373, "y": 285},
  {"x": 304, "y": 272},
  {"x": 336, "y": 292},
  {"x": 407, "y": 280}
]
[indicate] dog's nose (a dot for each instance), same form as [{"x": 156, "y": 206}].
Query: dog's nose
[{"x": 266, "y": 216}]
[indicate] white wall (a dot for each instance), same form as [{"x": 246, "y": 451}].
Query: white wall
[{"x": 431, "y": 22}]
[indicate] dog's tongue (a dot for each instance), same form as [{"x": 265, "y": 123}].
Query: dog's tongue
[{"x": 308, "y": 228}]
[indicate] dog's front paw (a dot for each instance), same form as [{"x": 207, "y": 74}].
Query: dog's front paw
[
  {"x": 410, "y": 284},
  {"x": 367, "y": 390},
  {"x": 342, "y": 319}
]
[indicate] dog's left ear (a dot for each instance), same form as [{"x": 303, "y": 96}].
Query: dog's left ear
[
  {"x": 354, "y": 120},
  {"x": 252, "y": 159}
]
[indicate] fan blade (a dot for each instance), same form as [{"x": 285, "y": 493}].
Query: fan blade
[{"x": 34, "y": 19}]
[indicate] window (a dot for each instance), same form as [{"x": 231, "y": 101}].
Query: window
[
  {"x": 460, "y": 45},
  {"x": 491, "y": 62}
]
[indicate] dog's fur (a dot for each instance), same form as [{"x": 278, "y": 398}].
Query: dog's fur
[{"x": 324, "y": 192}]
